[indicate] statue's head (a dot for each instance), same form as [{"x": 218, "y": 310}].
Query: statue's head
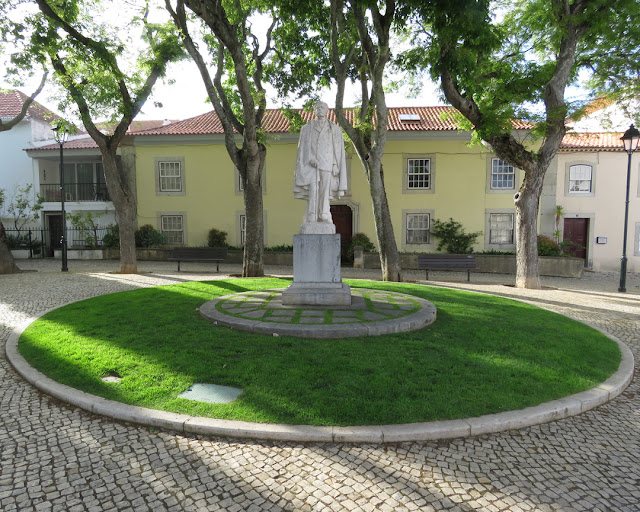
[{"x": 321, "y": 109}]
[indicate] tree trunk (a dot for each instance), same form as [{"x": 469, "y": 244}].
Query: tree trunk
[
  {"x": 253, "y": 256},
  {"x": 527, "y": 203},
  {"x": 389, "y": 257},
  {"x": 7, "y": 265},
  {"x": 125, "y": 204}
]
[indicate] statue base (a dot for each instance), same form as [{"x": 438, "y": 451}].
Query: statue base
[
  {"x": 318, "y": 228},
  {"x": 316, "y": 271}
]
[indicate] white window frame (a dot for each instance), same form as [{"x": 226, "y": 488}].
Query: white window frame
[
  {"x": 567, "y": 181},
  {"x": 406, "y": 215},
  {"x": 168, "y": 181},
  {"x": 490, "y": 175},
  {"x": 587, "y": 179},
  {"x": 158, "y": 161},
  {"x": 430, "y": 189},
  {"x": 239, "y": 189},
  {"x": 499, "y": 246},
  {"x": 241, "y": 228},
  {"x": 161, "y": 226}
]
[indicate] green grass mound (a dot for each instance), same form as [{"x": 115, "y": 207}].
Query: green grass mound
[{"x": 483, "y": 355}]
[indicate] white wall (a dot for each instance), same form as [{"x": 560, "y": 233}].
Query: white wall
[
  {"x": 16, "y": 168},
  {"x": 605, "y": 207}
]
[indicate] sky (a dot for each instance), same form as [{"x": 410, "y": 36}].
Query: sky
[{"x": 186, "y": 97}]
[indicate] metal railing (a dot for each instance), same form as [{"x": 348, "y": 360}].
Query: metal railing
[
  {"x": 40, "y": 244},
  {"x": 75, "y": 192}
]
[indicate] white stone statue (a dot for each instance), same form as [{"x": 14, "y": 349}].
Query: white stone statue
[{"x": 321, "y": 168}]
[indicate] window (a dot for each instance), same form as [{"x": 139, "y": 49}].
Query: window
[
  {"x": 239, "y": 187},
  {"x": 170, "y": 175},
  {"x": 502, "y": 175},
  {"x": 418, "y": 173},
  {"x": 580, "y": 178},
  {"x": 173, "y": 227},
  {"x": 243, "y": 228},
  {"x": 83, "y": 181},
  {"x": 418, "y": 228},
  {"x": 501, "y": 228}
]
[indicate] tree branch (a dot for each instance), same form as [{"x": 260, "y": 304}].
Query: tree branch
[{"x": 25, "y": 107}]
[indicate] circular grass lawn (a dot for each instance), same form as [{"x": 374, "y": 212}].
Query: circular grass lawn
[{"x": 483, "y": 355}]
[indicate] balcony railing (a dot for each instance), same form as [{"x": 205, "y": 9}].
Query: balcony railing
[{"x": 75, "y": 192}]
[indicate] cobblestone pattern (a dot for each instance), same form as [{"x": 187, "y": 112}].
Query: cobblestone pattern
[
  {"x": 54, "y": 457},
  {"x": 267, "y": 306}
]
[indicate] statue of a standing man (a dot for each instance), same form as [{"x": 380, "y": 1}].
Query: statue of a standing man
[{"x": 321, "y": 169}]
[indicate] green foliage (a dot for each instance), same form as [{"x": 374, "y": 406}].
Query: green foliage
[
  {"x": 362, "y": 240},
  {"x": 86, "y": 223},
  {"x": 548, "y": 247},
  {"x": 112, "y": 236},
  {"x": 22, "y": 208},
  {"x": 453, "y": 237},
  {"x": 148, "y": 236},
  {"x": 279, "y": 248},
  {"x": 494, "y": 252},
  {"x": 217, "y": 238},
  {"x": 23, "y": 242}
]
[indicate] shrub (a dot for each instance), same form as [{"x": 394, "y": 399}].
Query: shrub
[
  {"x": 279, "y": 248},
  {"x": 453, "y": 237},
  {"x": 360, "y": 239},
  {"x": 148, "y": 236},
  {"x": 217, "y": 238},
  {"x": 112, "y": 236},
  {"x": 548, "y": 247},
  {"x": 87, "y": 227}
]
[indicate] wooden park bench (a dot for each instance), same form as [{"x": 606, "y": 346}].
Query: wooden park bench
[
  {"x": 199, "y": 254},
  {"x": 447, "y": 262}
]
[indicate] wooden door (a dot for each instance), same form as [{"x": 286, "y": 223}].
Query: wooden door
[
  {"x": 55, "y": 233},
  {"x": 576, "y": 231},
  {"x": 343, "y": 219}
]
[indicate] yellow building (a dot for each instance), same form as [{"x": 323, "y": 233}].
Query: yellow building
[{"x": 186, "y": 183}]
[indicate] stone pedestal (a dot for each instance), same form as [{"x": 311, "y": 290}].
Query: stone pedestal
[{"x": 316, "y": 272}]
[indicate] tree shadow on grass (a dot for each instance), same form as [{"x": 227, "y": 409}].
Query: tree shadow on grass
[{"x": 484, "y": 354}]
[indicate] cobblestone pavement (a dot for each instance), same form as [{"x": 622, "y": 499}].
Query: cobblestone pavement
[{"x": 57, "y": 457}]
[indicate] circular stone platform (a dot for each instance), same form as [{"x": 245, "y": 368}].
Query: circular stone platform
[{"x": 372, "y": 312}]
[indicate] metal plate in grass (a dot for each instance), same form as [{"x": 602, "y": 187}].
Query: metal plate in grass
[{"x": 211, "y": 393}]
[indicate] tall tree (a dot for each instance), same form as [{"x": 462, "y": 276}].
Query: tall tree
[
  {"x": 88, "y": 59},
  {"x": 7, "y": 263},
  {"x": 493, "y": 71},
  {"x": 237, "y": 93},
  {"x": 368, "y": 48}
]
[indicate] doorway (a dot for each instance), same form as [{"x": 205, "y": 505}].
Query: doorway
[
  {"x": 342, "y": 215},
  {"x": 54, "y": 235},
  {"x": 576, "y": 231}
]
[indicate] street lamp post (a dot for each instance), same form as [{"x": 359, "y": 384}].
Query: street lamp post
[
  {"x": 630, "y": 140},
  {"x": 61, "y": 137}
]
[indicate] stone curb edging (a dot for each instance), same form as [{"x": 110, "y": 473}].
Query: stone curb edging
[{"x": 427, "y": 431}]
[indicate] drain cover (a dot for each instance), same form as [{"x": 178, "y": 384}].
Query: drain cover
[{"x": 211, "y": 393}]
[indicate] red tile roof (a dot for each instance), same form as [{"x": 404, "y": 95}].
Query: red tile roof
[
  {"x": 88, "y": 143},
  {"x": 11, "y": 104},
  {"x": 422, "y": 119},
  {"x": 430, "y": 119},
  {"x": 602, "y": 141},
  {"x": 137, "y": 126}
]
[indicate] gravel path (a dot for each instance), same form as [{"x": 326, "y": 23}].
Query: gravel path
[{"x": 57, "y": 457}]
